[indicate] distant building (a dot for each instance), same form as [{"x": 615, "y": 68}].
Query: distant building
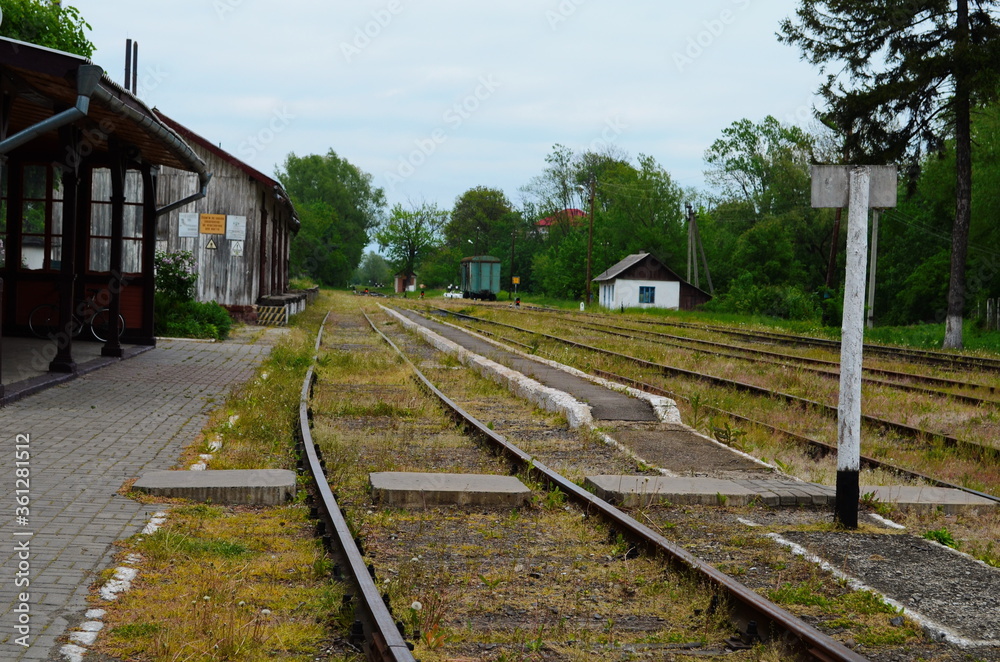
[
  {"x": 642, "y": 281},
  {"x": 404, "y": 283},
  {"x": 567, "y": 216}
]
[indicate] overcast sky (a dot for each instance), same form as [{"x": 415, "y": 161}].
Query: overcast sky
[{"x": 432, "y": 98}]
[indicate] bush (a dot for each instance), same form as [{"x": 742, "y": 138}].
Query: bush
[
  {"x": 176, "y": 318},
  {"x": 746, "y": 297},
  {"x": 174, "y": 275}
]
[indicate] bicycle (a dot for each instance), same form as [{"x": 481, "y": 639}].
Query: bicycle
[{"x": 44, "y": 318}]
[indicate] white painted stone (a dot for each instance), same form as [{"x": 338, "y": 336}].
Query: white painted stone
[
  {"x": 92, "y": 626},
  {"x": 121, "y": 581},
  {"x": 84, "y": 638},
  {"x": 72, "y": 653}
]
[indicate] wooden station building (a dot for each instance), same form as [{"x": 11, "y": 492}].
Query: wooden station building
[
  {"x": 90, "y": 178},
  {"x": 239, "y": 233}
]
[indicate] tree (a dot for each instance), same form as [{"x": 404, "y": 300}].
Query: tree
[
  {"x": 762, "y": 225},
  {"x": 764, "y": 165},
  {"x": 373, "y": 271},
  {"x": 912, "y": 69},
  {"x": 338, "y": 207},
  {"x": 477, "y": 217},
  {"x": 410, "y": 236},
  {"x": 47, "y": 24}
]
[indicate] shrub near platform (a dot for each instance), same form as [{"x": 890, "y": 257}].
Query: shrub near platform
[{"x": 174, "y": 318}]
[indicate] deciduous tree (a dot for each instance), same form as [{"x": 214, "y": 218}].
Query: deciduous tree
[
  {"x": 907, "y": 72},
  {"x": 47, "y": 24},
  {"x": 338, "y": 207}
]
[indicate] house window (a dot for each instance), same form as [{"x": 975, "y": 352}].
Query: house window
[
  {"x": 647, "y": 294},
  {"x": 99, "y": 241},
  {"x": 41, "y": 219}
]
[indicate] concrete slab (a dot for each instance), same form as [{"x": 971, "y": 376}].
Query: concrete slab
[
  {"x": 261, "y": 487},
  {"x": 418, "y": 490},
  {"x": 642, "y": 490},
  {"x": 790, "y": 493},
  {"x": 928, "y": 498}
]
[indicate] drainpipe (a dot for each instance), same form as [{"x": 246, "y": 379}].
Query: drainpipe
[
  {"x": 203, "y": 179},
  {"x": 167, "y": 136},
  {"x": 87, "y": 78}
]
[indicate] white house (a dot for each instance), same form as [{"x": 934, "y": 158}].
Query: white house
[{"x": 642, "y": 281}]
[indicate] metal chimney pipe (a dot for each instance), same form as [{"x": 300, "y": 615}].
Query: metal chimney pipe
[
  {"x": 135, "y": 68},
  {"x": 128, "y": 63}
]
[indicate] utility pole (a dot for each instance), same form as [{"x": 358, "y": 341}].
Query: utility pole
[
  {"x": 692, "y": 274},
  {"x": 513, "y": 234},
  {"x": 704, "y": 260},
  {"x": 872, "y": 263},
  {"x": 590, "y": 237}
]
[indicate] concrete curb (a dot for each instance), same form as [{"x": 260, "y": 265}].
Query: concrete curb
[{"x": 550, "y": 399}]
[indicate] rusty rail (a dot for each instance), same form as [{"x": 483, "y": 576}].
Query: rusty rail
[{"x": 772, "y": 622}]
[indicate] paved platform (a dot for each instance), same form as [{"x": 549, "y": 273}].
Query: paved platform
[
  {"x": 605, "y": 404},
  {"x": 259, "y": 487},
  {"x": 645, "y": 490},
  {"x": 85, "y": 439},
  {"x": 420, "y": 490},
  {"x": 25, "y": 365}
]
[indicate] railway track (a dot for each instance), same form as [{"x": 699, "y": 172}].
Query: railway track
[
  {"x": 817, "y": 366},
  {"x": 945, "y": 360},
  {"x": 972, "y": 450},
  {"x": 378, "y": 634}
]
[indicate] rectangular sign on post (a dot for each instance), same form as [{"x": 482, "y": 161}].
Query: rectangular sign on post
[
  {"x": 213, "y": 224},
  {"x": 830, "y": 185}
]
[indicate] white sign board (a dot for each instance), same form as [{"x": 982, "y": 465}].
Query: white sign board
[
  {"x": 236, "y": 249},
  {"x": 236, "y": 228},
  {"x": 830, "y": 186},
  {"x": 187, "y": 224}
]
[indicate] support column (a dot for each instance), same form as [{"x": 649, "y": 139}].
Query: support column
[
  {"x": 146, "y": 333},
  {"x": 851, "y": 346},
  {"x": 63, "y": 360},
  {"x": 113, "y": 347}
]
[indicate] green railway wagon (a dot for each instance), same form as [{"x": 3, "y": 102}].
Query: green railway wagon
[{"x": 481, "y": 277}]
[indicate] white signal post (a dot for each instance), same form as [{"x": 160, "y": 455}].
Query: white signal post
[{"x": 863, "y": 187}]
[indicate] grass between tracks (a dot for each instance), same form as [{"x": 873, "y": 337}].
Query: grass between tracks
[
  {"x": 489, "y": 584},
  {"x": 234, "y": 583},
  {"x": 975, "y": 533}
]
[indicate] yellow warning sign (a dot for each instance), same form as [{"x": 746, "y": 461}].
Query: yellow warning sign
[
  {"x": 213, "y": 224},
  {"x": 211, "y": 245}
]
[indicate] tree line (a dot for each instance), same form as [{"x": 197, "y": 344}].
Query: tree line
[{"x": 914, "y": 83}]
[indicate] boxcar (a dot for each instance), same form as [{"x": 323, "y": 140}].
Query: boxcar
[{"x": 481, "y": 277}]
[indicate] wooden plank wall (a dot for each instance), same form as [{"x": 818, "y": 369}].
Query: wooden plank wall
[{"x": 226, "y": 278}]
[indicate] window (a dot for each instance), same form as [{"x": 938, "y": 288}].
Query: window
[
  {"x": 647, "y": 294},
  {"x": 41, "y": 219},
  {"x": 100, "y": 223}
]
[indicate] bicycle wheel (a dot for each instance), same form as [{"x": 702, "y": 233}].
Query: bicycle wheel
[
  {"x": 100, "y": 325},
  {"x": 42, "y": 320}
]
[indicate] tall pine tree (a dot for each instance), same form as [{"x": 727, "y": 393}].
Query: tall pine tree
[{"x": 908, "y": 72}]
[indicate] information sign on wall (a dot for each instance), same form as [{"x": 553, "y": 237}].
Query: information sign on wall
[
  {"x": 213, "y": 224},
  {"x": 236, "y": 228},
  {"x": 187, "y": 225}
]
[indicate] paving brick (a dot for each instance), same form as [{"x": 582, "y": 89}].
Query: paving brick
[{"x": 88, "y": 436}]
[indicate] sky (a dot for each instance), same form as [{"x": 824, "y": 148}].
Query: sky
[{"x": 434, "y": 98}]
